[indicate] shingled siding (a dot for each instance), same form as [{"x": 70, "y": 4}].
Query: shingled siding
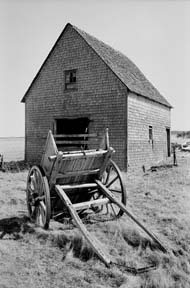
[
  {"x": 143, "y": 113},
  {"x": 100, "y": 96}
]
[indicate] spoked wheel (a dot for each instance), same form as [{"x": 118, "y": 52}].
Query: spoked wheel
[
  {"x": 112, "y": 179},
  {"x": 38, "y": 197}
]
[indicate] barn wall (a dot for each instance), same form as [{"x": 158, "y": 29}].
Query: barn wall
[
  {"x": 143, "y": 113},
  {"x": 100, "y": 96}
]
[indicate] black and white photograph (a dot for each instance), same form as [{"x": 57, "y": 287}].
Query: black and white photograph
[{"x": 94, "y": 143}]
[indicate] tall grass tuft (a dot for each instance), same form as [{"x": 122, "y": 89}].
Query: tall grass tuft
[{"x": 81, "y": 248}]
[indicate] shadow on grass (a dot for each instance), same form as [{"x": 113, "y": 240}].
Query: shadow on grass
[
  {"x": 15, "y": 226},
  {"x": 136, "y": 240}
]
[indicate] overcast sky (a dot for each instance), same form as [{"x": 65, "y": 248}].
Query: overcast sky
[{"x": 155, "y": 35}]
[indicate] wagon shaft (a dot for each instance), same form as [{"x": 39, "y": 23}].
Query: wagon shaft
[{"x": 91, "y": 240}]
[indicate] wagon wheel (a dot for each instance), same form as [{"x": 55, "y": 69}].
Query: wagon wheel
[
  {"x": 112, "y": 179},
  {"x": 38, "y": 197}
]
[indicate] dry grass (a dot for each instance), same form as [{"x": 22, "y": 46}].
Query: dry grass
[{"x": 60, "y": 257}]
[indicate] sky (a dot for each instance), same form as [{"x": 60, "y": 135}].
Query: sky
[{"x": 155, "y": 35}]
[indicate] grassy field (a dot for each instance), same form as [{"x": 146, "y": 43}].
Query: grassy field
[{"x": 160, "y": 199}]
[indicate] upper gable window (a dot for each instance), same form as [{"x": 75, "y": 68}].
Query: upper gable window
[{"x": 70, "y": 79}]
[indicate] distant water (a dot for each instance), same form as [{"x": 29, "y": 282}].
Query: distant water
[{"x": 12, "y": 148}]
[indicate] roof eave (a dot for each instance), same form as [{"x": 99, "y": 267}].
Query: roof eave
[{"x": 159, "y": 102}]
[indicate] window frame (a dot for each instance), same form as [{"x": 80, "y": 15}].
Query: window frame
[
  {"x": 150, "y": 133},
  {"x": 70, "y": 82}
]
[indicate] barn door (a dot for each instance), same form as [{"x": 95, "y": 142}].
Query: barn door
[
  {"x": 72, "y": 127},
  {"x": 168, "y": 142}
]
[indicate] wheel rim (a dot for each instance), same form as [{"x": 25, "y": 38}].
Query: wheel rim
[
  {"x": 38, "y": 197},
  {"x": 112, "y": 179}
]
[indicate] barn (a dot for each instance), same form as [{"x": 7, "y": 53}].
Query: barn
[{"x": 84, "y": 85}]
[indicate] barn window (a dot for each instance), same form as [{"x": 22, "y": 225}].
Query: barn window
[
  {"x": 70, "y": 79},
  {"x": 150, "y": 133}
]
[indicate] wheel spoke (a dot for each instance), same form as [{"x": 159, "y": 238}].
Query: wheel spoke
[
  {"x": 34, "y": 183},
  {"x": 31, "y": 182},
  {"x": 112, "y": 181},
  {"x": 107, "y": 176},
  {"x": 43, "y": 206},
  {"x": 41, "y": 188},
  {"x": 41, "y": 216},
  {"x": 41, "y": 198},
  {"x": 116, "y": 191},
  {"x": 30, "y": 190},
  {"x": 37, "y": 180}
]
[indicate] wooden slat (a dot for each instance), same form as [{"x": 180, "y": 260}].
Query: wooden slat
[
  {"x": 50, "y": 148},
  {"x": 106, "y": 161},
  {"x": 113, "y": 199},
  {"x": 94, "y": 243},
  {"x": 80, "y": 154},
  {"x": 79, "y": 186},
  {"x": 89, "y": 204},
  {"x": 84, "y": 154},
  {"x": 104, "y": 143},
  {"x": 77, "y": 151},
  {"x": 75, "y": 135},
  {"x": 55, "y": 169},
  {"x": 77, "y": 173},
  {"x": 107, "y": 139},
  {"x": 73, "y": 142}
]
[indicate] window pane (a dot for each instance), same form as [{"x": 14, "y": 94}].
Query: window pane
[
  {"x": 150, "y": 133},
  {"x": 70, "y": 79},
  {"x": 67, "y": 78}
]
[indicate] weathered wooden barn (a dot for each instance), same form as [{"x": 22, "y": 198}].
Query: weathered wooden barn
[{"x": 84, "y": 86}]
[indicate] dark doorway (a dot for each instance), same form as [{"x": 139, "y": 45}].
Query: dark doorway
[
  {"x": 72, "y": 127},
  {"x": 168, "y": 142}
]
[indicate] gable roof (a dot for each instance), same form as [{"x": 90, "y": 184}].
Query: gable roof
[{"x": 121, "y": 65}]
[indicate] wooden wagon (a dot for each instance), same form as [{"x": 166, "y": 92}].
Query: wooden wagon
[{"x": 72, "y": 182}]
